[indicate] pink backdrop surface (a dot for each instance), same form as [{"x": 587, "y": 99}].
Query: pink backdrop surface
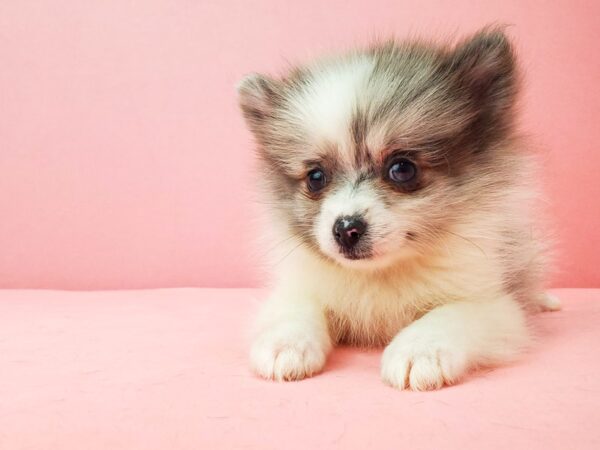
[
  {"x": 124, "y": 162},
  {"x": 167, "y": 369}
]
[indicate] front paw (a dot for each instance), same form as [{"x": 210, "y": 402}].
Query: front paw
[
  {"x": 285, "y": 353},
  {"x": 422, "y": 362}
]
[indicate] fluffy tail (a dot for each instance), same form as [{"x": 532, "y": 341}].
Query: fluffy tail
[{"x": 548, "y": 302}]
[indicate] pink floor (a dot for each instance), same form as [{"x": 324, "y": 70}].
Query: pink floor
[{"x": 166, "y": 369}]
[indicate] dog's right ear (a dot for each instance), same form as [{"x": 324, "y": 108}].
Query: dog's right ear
[{"x": 258, "y": 97}]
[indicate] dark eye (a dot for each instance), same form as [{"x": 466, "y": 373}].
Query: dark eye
[
  {"x": 402, "y": 171},
  {"x": 316, "y": 180}
]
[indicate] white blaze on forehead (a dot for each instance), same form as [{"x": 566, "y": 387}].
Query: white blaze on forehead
[{"x": 327, "y": 104}]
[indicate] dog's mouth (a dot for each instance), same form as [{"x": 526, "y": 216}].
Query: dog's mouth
[
  {"x": 358, "y": 257},
  {"x": 373, "y": 256},
  {"x": 355, "y": 255},
  {"x": 361, "y": 251}
]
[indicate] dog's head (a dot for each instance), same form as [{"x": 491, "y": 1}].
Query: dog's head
[{"x": 372, "y": 155}]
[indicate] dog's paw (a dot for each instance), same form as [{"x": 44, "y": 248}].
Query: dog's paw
[
  {"x": 286, "y": 354},
  {"x": 421, "y": 362},
  {"x": 549, "y": 302}
]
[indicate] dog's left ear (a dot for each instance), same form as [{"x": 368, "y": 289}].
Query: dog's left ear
[
  {"x": 258, "y": 96},
  {"x": 485, "y": 70}
]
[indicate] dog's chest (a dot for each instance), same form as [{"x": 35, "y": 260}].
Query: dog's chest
[{"x": 369, "y": 313}]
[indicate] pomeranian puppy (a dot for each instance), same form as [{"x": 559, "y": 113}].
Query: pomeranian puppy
[{"x": 396, "y": 178}]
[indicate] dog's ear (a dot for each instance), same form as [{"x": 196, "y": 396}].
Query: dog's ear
[
  {"x": 484, "y": 68},
  {"x": 258, "y": 96}
]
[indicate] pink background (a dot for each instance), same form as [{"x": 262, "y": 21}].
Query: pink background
[{"x": 124, "y": 162}]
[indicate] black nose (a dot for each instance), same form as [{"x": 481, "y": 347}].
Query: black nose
[{"x": 348, "y": 231}]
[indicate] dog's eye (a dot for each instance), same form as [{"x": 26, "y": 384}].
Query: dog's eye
[
  {"x": 402, "y": 171},
  {"x": 316, "y": 180}
]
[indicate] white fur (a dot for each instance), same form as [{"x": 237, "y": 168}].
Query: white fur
[
  {"x": 449, "y": 307},
  {"x": 325, "y": 107},
  {"x": 292, "y": 340},
  {"x": 441, "y": 346},
  {"x": 549, "y": 302}
]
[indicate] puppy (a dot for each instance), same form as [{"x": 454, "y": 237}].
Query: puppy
[{"x": 394, "y": 176}]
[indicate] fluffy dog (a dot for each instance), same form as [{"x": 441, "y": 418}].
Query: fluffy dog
[{"x": 396, "y": 178}]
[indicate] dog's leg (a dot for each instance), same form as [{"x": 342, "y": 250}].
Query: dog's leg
[
  {"x": 291, "y": 340},
  {"x": 442, "y": 345}
]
